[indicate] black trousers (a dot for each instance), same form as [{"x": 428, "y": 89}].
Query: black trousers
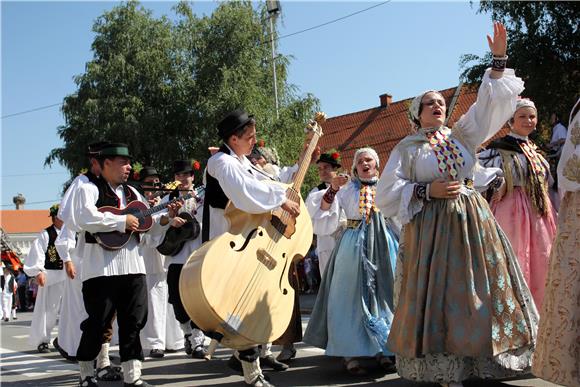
[
  {"x": 103, "y": 296},
  {"x": 173, "y": 273}
]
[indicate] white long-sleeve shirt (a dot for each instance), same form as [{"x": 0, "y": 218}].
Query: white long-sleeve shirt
[
  {"x": 244, "y": 186},
  {"x": 324, "y": 242},
  {"x": 97, "y": 261},
  {"x": 495, "y": 104},
  {"x": 34, "y": 261}
]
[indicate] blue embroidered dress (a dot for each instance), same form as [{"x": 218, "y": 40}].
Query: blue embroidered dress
[{"x": 353, "y": 313}]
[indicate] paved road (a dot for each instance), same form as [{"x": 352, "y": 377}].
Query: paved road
[{"x": 23, "y": 366}]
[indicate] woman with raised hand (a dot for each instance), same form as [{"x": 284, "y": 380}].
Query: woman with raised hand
[
  {"x": 463, "y": 308},
  {"x": 353, "y": 312}
]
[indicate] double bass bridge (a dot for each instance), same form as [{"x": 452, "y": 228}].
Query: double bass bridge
[{"x": 266, "y": 259}]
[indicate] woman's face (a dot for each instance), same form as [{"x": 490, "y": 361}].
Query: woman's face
[
  {"x": 524, "y": 121},
  {"x": 433, "y": 110},
  {"x": 366, "y": 166}
]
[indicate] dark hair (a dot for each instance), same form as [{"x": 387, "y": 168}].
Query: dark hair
[
  {"x": 101, "y": 160},
  {"x": 240, "y": 132}
]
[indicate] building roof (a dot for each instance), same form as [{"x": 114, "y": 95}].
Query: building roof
[
  {"x": 383, "y": 127},
  {"x": 24, "y": 221}
]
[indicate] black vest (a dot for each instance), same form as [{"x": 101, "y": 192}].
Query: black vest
[
  {"x": 107, "y": 198},
  {"x": 214, "y": 197},
  {"x": 321, "y": 186},
  {"x": 52, "y": 260}
]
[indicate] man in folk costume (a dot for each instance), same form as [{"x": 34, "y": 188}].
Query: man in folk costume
[
  {"x": 44, "y": 263},
  {"x": 189, "y": 217},
  {"x": 73, "y": 309},
  {"x": 231, "y": 176},
  {"x": 328, "y": 165},
  {"x": 113, "y": 280}
]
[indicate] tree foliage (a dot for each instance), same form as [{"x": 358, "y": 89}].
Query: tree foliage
[
  {"x": 162, "y": 85},
  {"x": 543, "y": 48}
]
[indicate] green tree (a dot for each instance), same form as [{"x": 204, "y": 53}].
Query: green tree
[
  {"x": 543, "y": 48},
  {"x": 162, "y": 85}
]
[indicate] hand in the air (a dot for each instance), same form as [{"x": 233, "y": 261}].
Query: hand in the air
[{"x": 498, "y": 45}]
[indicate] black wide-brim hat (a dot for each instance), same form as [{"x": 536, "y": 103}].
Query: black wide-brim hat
[
  {"x": 182, "y": 166},
  {"x": 232, "y": 122},
  {"x": 115, "y": 149},
  {"x": 147, "y": 172},
  {"x": 94, "y": 148},
  {"x": 327, "y": 158}
]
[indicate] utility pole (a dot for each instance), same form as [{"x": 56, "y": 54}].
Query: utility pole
[{"x": 273, "y": 7}]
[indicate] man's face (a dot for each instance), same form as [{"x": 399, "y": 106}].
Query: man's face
[
  {"x": 149, "y": 183},
  {"x": 185, "y": 180},
  {"x": 117, "y": 170},
  {"x": 326, "y": 171},
  {"x": 243, "y": 145},
  {"x": 57, "y": 222}
]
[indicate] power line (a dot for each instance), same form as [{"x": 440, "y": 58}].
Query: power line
[
  {"x": 277, "y": 39},
  {"x": 31, "y": 110},
  {"x": 333, "y": 21}
]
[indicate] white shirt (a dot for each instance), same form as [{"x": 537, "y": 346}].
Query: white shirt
[
  {"x": 495, "y": 104},
  {"x": 97, "y": 261},
  {"x": 558, "y": 133},
  {"x": 244, "y": 186},
  {"x": 34, "y": 261},
  {"x": 324, "y": 242}
]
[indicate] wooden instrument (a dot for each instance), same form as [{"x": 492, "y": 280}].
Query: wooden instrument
[
  {"x": 115, "y": 240},
  {"x": 237, "y": 285}
]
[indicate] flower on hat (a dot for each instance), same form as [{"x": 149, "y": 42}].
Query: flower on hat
[
  {"x": 261, "y": 143},
  {"x": 335, "y": 155},
  {"x": 137, "y": 167},
  {"x": 136, "y": 175},
  {"x": 196, "y": 165}
]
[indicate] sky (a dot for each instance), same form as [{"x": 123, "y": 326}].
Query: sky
[{"x": 399, "y": 47}]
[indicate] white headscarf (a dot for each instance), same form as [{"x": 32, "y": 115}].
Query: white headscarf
[
  {"x": 357, "y": 154},
  {"x": 525, "y": 102},
  {"x": 416, "y": 105}
]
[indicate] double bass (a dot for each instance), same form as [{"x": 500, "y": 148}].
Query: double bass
[{"x": 237, "y": 285}]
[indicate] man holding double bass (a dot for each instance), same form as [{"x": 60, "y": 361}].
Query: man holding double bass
[{"x": 231, "y": 176}]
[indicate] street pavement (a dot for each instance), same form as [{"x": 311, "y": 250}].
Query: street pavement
[{"x": 21, "y": 365}]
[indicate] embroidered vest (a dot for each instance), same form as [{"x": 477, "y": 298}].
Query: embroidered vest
[{"x": 52, "y": 260}]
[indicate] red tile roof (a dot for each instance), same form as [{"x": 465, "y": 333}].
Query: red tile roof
[
  {"x": 383, "y": 127},
  {"x": 24, "y": 221}
]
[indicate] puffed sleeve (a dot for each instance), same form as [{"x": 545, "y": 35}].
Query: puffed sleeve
[
  {"x": 65, "y": 242},
  {"x": 495, "y": 104},
  {"x": 395, "y": 192},
  {"x": 88, "y": 216},
  {"x": 324, "y": 222},
  {"x": 246, "y": 192},
  {"x": 34, "y": 261}
]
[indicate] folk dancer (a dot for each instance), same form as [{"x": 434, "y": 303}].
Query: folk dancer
[
  {"x": 520, "y": 199},
  {"x": 354, "y": 309},
  {"x": 44, "y": 263},
  {"x": 557, "y": 356},
  {"x": 113, "y": 280},
  {"x": 462, "y": 307},
  {"x": 162, "y": 330},
  {"x": 231, "y": 176}
]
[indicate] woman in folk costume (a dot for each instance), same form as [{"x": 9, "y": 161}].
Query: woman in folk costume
[
  {"x": 557, "y": 356},
  {"x": 520, "y": 201},
  {"x": 354, "y": 309},
  {"x": 463, "y": 307}
]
